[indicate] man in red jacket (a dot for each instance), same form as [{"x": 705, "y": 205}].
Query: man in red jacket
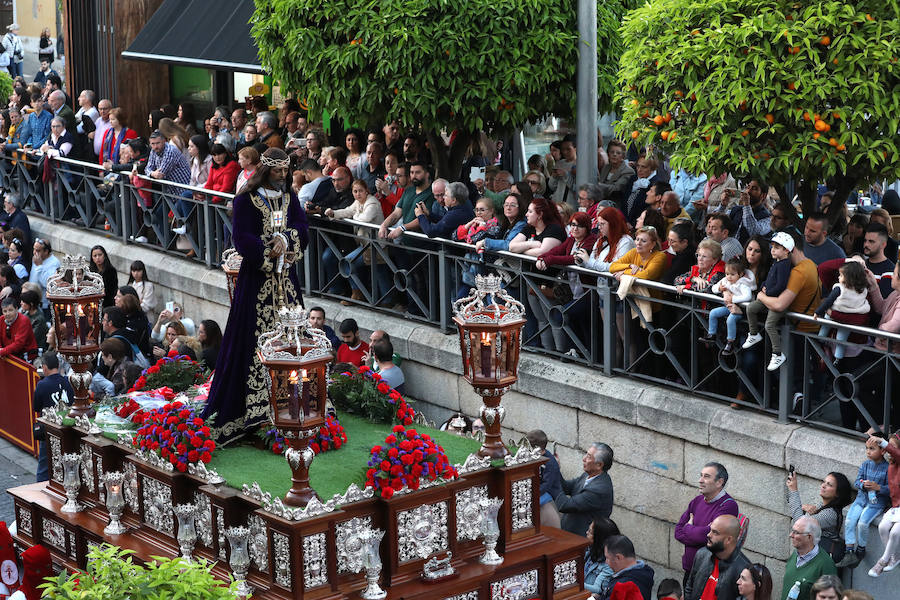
[{"x": 16, "y": 334}]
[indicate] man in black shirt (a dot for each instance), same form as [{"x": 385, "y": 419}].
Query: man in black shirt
[{"x": 51, "y": 391}]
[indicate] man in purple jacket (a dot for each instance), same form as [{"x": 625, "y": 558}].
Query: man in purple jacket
[{"x": 713, "y": 501}]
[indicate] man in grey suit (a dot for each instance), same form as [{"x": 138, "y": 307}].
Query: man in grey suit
[{"x": 590, "y": 495}]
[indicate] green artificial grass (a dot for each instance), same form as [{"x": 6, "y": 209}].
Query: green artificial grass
[{"x": 331, "y": 472}]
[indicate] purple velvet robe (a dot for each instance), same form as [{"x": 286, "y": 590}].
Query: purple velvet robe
[{"x": 239, "y": 395}]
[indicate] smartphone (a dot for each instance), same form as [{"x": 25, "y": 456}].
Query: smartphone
[
  {"x": 170, "y": 306},
  {"x": 791, "y": 470}
]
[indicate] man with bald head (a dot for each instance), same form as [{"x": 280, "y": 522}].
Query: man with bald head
[{"x": 717, "y": 566}]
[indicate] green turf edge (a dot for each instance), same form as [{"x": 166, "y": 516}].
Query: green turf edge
[{"x": 331, "y": 472}]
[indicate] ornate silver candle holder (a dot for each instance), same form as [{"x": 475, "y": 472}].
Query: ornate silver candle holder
[
  {"x": 490, "y": 530},
  {"x": 187, "y": 529},
  {"x": 239, "y": 560},
  {"x": 72, "y": 482},
  {"x": 115, "y": 502},
  {"x": 371, "y": 560}
]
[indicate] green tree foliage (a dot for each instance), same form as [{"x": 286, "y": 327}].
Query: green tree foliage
[
  {"x": 781, "y": 89},
  {"x": 468, "y": 65},
  {"x": 6, "y": 84}
]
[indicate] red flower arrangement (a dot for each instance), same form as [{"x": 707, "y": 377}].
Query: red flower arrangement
[
  {"x": 331, "y": 436},
  {"x": 127, "y": 408},
  {"x": 364, "y": 393},
  {"x": 176, "y": 433},
  {"x": 405, "y": 458},
  {"x": 173, "y": 372}
]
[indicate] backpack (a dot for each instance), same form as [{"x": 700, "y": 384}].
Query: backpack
[{"x": 138, "y": 357}]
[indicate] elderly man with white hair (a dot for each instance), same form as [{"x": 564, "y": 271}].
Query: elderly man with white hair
[
  {"x": 267, "y": 129},
  {"x": 459, "y": 212},
  {"x": 807, "y": 562},
  {"x": 58, "y": 107}
]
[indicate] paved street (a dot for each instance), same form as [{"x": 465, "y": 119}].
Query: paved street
[{"x": 17, "y": 467}]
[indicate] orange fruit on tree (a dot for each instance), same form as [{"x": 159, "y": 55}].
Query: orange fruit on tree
[
  {"x": 817, "y": 117},
  {"x": 822, "y": 126},
  {"x": 745, "y": 133},
  {"x": 835, "y": 61},
  {"x": 806, "y": 116},
  {"x": 635, "y": 134},
  {"x": 634, "y": 102},
  {"x": 770, "y": 118},
  {"x": 869, "y": 17},
  {"x": 835, "y": 115},
  {"x": 694, "y": 97},
  {"x": 841, "y": 147},
  {"x": 679, "y": 94},
  {"x": 817, "y": 135},
  {"x": 672, "y": 135},
  {"x": 664, "y": 135},
  {"x": 832, "y": 142},
  {"x": 695, "y": 32},
  {"x": 659, "y": 119},
  {"x": 792, "y": 86},
  {"x": 668, "y": 117},
  {"x": 825, "y": 41}
]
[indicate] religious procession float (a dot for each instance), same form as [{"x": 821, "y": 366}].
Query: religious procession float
[{"x": 366, "y": 502}]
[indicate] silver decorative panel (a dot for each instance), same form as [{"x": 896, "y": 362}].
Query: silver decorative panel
[
  {"x": 422, "y": 531},
  {"x": 98, "y": 467},
  {"x": 518, "y": 587},
  {"x": 204, "y": 519},
  {"x": 70, "y": 537},
  {"x": 282, "y": 559},
  {"x": 87, "y": 468},
  {"x": 131, "y": 487},
  {"x": 473, "y": 595},
  {"x": 156, "y": 497},
  {"x": 23, "y": 520},
  {"x": 315, "y": 560},
  {"x": 220, "y": 527},
  {"x": 55, "y": 458},
  {"x": 349, "y": 546},
  {"x": 468, "y": 512},
  {"x": 521, "y": 505},
  {"x": 53, "y": 534},
  {"x": 565, "y": 574},
  {"x": 259, "y": 543}
]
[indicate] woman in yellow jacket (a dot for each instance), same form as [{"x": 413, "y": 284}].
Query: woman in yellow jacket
[{"x": 645, "y": 261}]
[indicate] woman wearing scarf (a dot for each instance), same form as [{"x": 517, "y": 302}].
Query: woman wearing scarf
[{"x": 113, "y": 138}]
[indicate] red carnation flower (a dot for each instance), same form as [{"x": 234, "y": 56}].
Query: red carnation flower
[
  {"x": 393, "y": 452},
  {"x": 196, "y": 442},
  {"x": 383, "y": 387},
  {"x": 406, "y": 459},
  {"x": 205, "y": 457},
  {"x": 181, "y": 467},
  {"x": 385, "y": 465},
  {"x": 387, "y": 492},
  {"x": 406, "y": 445},
  {"x": 198, "y": 422},
  {"x": 397, "y": 484},
  {"x": 397, "y": 428},
  {"x": 376, "y": 449},
  {"x": 391, "y": 439},
  {"x": 193, "y": 456}
]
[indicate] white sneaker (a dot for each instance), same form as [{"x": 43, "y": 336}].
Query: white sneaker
[
  {"x": 179, "y": 230},
  {"x": 776, "y": 361},
  {"x": 877, "y": 568},
  {"x": 141, "y": 239},
  {"x": 752, "y": 340},
  {"x": 893, "y": 563}
]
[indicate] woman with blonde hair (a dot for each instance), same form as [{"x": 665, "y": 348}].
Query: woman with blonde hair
[{"x": 176, "y": 135}]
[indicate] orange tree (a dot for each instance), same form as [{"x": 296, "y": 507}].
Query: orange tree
[
  {"x": 464, "y": 65},
  {"x": 784, "y": 90}
]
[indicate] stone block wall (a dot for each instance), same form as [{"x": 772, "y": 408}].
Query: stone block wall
[{"x": 661, "y": 437}]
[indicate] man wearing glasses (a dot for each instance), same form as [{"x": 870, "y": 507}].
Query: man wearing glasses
[
  {"x": 806, "y": 563},
  {"x": 101, "y": 124}
]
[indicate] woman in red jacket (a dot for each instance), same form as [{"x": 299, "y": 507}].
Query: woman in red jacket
[
  {"x": 113, "y": 138},
  {"x": 223, "y": 172},
  {"x": 567, "y": 290}
]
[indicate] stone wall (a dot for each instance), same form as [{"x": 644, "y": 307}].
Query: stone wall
[{"x": 661, "y": 437}]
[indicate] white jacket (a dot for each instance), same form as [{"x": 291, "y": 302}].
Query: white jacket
[
  {"x": 741, "y": 290},
  {"x": 850, "y": 301}
]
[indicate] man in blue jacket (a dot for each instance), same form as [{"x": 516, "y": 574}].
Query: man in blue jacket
[{"x": 459, "y": 212}]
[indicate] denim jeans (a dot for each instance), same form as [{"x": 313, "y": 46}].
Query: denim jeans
[
  {"x": 840, "y": 335},
  {"x": 860, "y": 514},
  {"x": 43, "y": 471},
  {"x": 731, "y": 323},
  {"x": 361, "y": 269}
]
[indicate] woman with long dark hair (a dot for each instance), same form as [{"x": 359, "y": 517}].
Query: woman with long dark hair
[
  {"x": 543, "y": 232},
  {"x": 596, "y": 571},
  {"x": 10, "y": 284},
  {"x": 140, "y": 282},
  {"x": 210, "y": 337},
  {"x": 223, "y": 172},
  {"x": 757, "y": 258},
  {"x": 100, "y": 263},
  {"x": 511, "y": 224},
  {"x": 187, "y": 118},
  {"x": 834, "y": 492},
  {"x": 755, "y": 583}
]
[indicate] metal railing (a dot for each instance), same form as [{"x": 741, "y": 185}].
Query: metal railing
[{"x": 417, "y": 278}]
